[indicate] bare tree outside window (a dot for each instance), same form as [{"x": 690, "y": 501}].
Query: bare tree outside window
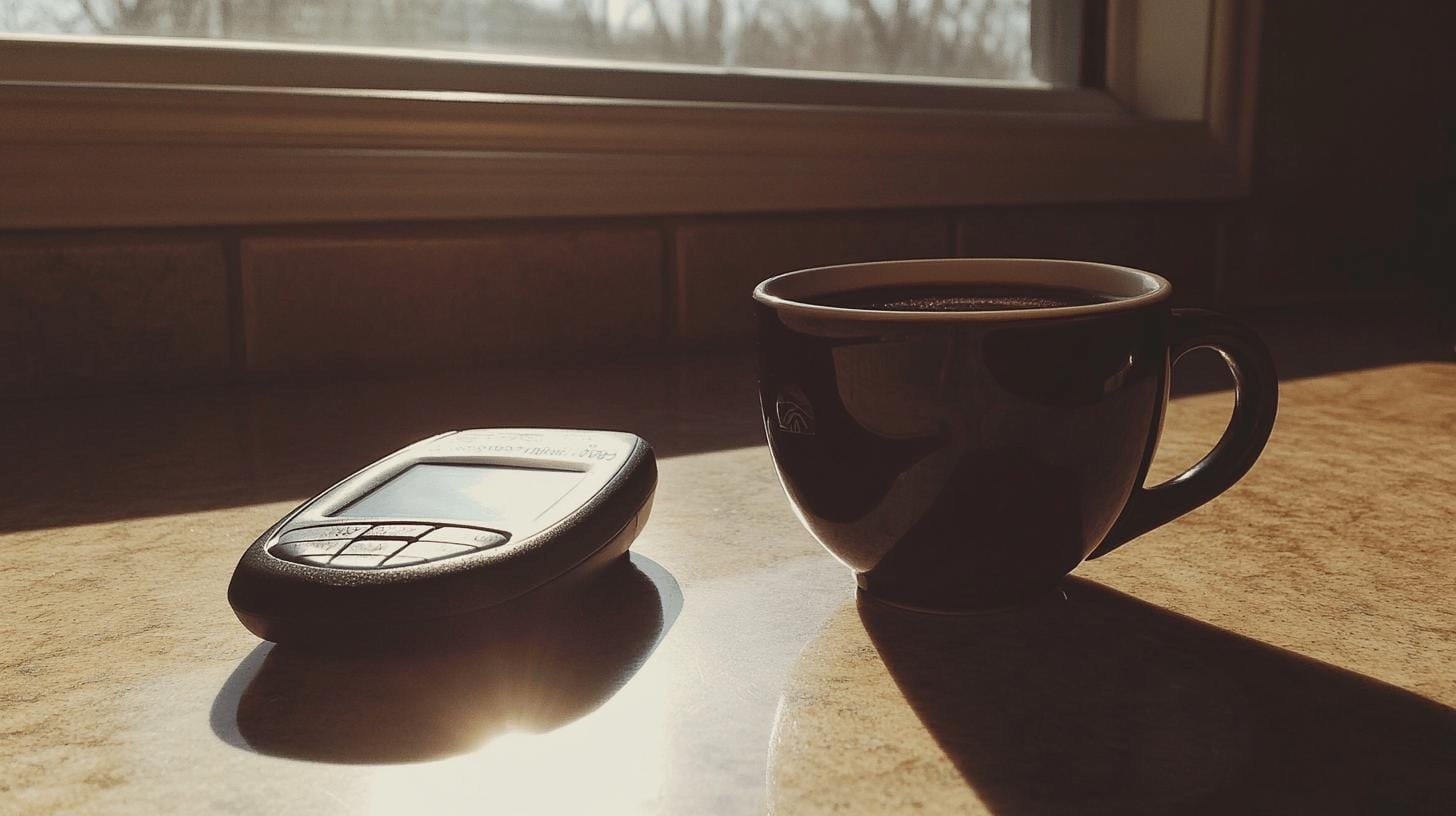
[{"x": 957, "y": 39}]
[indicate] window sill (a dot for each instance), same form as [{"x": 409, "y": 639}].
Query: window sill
[{"x": 87, "y": 154}]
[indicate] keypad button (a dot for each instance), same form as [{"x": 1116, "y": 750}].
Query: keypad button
[
  {"x": 399, "y": 530},
  {"x": 357, "y": 561},
  {"x": 476, "y": 539},
  {"x": 323, "y": 533},
  {"x": 403, "y": 561},
  {"x": 316, "y": 560},
  {"x": 431, "y": 550},
  {"x": 295, "y": 550},
  {"x": 374, "y": 546}
]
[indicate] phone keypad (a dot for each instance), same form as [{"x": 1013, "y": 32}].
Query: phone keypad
[
  {"x": 384, "y": 547},
  {"x": 333, "y": 531},
  {"x": 297, "y": 550},
  {"x": 381, "y": 546},
  {"x": 399, "y": 530},
  {"x": 465, "y": 536}
]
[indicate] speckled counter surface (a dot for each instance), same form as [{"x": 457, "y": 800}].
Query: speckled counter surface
[{"x": 1289, "y": 648}]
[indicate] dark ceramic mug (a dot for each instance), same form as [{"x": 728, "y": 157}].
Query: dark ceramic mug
[{"x": 960, "y": 460}]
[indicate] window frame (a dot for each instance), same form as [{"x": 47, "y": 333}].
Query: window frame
[{"x": 530, "y": 140}]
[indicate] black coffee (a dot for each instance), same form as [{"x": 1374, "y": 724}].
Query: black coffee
[{"x": 960, "y": 297}]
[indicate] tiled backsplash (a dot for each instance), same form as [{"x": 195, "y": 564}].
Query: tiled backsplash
[
  {"x": 336, "y": 305},
  {"x": 90, "y": 312},
  {"x": 79, "y": 314}
]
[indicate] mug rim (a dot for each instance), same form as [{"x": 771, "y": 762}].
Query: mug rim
[{"x": 1135, "y": 288}]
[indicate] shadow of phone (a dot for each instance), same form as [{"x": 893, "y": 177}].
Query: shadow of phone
[
  {"x": 527, "y": 667},
  {"x": 1092, "y": 701}
]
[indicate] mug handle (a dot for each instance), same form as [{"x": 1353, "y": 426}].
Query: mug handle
[{"x": 1256, "y": 400}]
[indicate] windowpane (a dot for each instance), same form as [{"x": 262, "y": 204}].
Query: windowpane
[{"x": 955, "y": 39}]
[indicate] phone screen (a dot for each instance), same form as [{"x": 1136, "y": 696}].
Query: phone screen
[{"x": 486, "y": 493}]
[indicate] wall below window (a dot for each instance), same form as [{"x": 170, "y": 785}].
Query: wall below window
[
  {"x": 91, "y": 312},
  {"x": 88, "y": 312},
  {"x": 1354, "y": 165}
]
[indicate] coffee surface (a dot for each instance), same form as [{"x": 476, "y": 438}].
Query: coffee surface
[{"x": 960, "y": 297}]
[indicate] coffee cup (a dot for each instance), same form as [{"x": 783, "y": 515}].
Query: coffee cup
[{"x": 963, "y": 433}]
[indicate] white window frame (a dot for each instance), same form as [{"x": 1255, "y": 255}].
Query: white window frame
[{"x": 100, "y": 133}]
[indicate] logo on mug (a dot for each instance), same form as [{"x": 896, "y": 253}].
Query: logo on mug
[{"x": 793, "y": 412}]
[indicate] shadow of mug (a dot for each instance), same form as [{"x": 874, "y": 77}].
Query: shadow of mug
[
  {"x": 1092, "y": 701},
  {"x": 531, "y": 666}
]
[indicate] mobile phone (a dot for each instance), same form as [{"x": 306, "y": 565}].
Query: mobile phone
[{"x": 445, "y": 528}]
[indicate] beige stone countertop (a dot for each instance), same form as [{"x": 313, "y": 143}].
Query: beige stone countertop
[{"x": 1288, "y": 648}]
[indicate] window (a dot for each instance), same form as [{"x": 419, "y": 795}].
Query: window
[
  {"x": 989, "y": 40},
  {"x": 150, "y": 112}
]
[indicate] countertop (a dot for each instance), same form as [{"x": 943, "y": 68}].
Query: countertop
[{"x": 1288, "y": 648}]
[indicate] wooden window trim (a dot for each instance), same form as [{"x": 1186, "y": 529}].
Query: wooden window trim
[{"x": 134, "y": 150}]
